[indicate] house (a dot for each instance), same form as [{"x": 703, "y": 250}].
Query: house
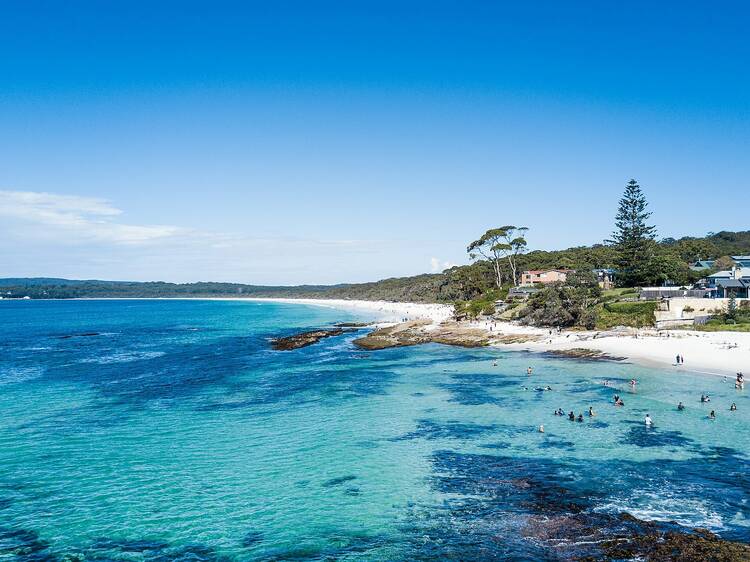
[
  {"x": 545, "y": 276},
  {"x": 702, "y": 265},
  {"x": 735, "y": 281},
  {"x": 522, "y": 292},
  {"x": 605, "y": 277},
  {"x": 741, "y": 261}
]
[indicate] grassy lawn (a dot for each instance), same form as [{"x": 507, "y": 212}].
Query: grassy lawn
[
  {"x": 611, "y": 294},
  {"x": 719, "y": 326},
  {"x": 634, "y": 314}
]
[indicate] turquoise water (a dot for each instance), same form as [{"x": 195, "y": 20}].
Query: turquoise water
[{"x": 168, "y": 430}]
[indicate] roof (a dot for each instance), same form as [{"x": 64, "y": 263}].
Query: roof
[
  {"x": 730, "y": 283},
  {"x": 743, "y": 258},
  {"x": 535, "y": 271},
  {"x": 741, "y": 272}
]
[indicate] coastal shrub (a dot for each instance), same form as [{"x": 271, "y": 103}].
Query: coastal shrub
[
  {"x": 482, "y": 305},
  {"x": 562, "y": 305},
  {"x": 638, "y": 307},
  {"x": 632, "y": 314}
]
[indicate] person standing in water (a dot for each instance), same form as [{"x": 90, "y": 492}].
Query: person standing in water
[
  {"x": 649, "y": 421},
  {"x": 680, "y": 406},
  {"x": 529, "y": 370}
]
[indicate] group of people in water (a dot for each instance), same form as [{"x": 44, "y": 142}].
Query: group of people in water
[
  {"x": 618, "y": 401},
  {"x": 572, "y": 416}
]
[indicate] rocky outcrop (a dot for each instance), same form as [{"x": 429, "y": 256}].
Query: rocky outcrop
[
  {"x": 423, "y": 331},
  {"x": 656, "y": 544},
  {"x": 583, "y": 353},
  {"x": 306, "y": 338}
]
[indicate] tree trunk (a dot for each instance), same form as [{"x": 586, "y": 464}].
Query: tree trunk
[{"x": 512, "y": 263}]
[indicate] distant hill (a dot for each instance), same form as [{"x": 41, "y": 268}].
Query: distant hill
[{"x": 457, "y": 283}]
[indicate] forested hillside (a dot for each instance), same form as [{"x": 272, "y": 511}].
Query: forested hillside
[{"x": 458, "y": 283}]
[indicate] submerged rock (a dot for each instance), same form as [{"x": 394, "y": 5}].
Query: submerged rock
[
  {"x": 651, "y": 541},
  {"x": 306, "y": 338},
  {"x": 583, "y": 353}
]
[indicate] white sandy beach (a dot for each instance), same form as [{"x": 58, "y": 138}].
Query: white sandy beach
[
  {"x": 386, "y": 311},
  {"x": 715, "y": 353}
]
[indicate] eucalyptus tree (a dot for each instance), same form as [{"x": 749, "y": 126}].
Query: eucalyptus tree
[{"x": 499, "y": 244}]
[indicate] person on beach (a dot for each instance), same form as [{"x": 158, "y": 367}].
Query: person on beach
[
  {"x": 733, "y": 407},
  {"x": 591, "y": 412},
  {"x": 649, "y": 421},
  {"x": 677, "y": 359},
  {"x": 680, "y": 407},
  {"x": 712, "y": 415}
]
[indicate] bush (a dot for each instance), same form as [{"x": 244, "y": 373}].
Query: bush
[
  {"x": 646, "y": 307},
  {"x": 562, "y": 306}
]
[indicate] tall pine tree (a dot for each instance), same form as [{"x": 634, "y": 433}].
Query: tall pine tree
[{"x": 634, "y": 237}]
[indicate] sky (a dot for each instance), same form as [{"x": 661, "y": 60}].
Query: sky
[{"x": 325, "y": 142}]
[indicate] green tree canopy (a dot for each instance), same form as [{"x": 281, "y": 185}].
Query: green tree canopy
[
  {"x": 633, "y": 237},
  {"x": 506, "y": 242}
]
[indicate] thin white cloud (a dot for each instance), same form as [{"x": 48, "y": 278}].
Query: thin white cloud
[
  {"x": 85, "y": 237},
  {"x": 436, "y": 266},
  {"x": 88, "y": 218}
]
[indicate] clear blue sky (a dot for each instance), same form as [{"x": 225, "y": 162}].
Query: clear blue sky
[{"x": 290, "y": 142}]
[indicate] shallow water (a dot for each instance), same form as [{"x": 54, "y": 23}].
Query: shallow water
[{"x": 162, "y": 430}]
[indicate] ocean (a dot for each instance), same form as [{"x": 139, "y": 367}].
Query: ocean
[{"x": 169, "y": 430}]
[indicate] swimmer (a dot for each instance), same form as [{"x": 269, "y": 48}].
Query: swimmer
[
  {"x": 733, "y": 407},
  {"x": 541, "y": 428},
  {"x": 633, "y": 382},
  {"x": 529, "y": 371},
  {"x": 572, "y": 416},
  {"x": 680, "y": 406},
  {"x": 712, "y": 415},
  {"x": 591, "y": 412},
  {"x": 648, "y": 420},
  {"x": 580, "y": 417},
  {"x": 619, "y": 402}
]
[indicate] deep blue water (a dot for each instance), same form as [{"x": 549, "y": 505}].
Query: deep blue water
[{"x": 169, "y": 430}]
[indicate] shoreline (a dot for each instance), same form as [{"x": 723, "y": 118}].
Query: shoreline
[
  {"x": 721, "y": 354},
  {"x": 708, "y": 353}
]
